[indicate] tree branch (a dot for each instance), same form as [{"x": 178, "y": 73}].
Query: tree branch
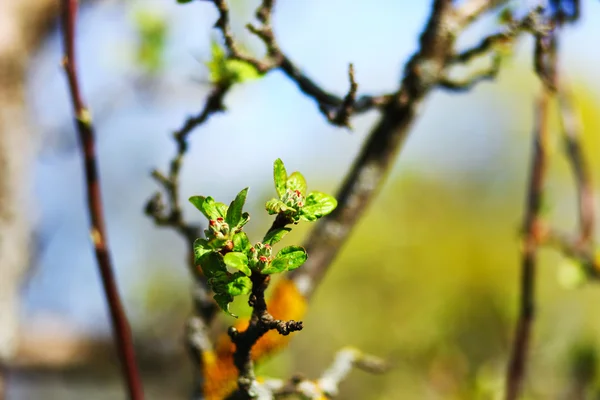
[
  {"x": 546, "y": 61},
  {"x": 337, "y": 110},
  {"x": 173, "y": 217},
  {"x": 327, "y": 385},
  {"x": 571, "y": 129},
  {"x": 425, "y": 71},
  {"x": 85, "y": 129},
  {"x": 261, "y": 322}
]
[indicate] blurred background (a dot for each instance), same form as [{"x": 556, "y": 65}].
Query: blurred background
[{"x": 429, "y": 277}]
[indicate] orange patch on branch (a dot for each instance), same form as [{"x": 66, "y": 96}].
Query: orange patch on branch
[{"x": 220, "y": 374}]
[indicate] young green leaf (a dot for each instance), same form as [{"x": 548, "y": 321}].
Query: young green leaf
[
  {"x": 184, "y": 1},
  {"x": 241, "y": 242},
  {"x": 218, "y": 282},
  {"x": 237, "y": 261},
  {"x": 210, "y": 208},
  {"x": 275, "y": 235},
  {"x": 239, "y": 285},
  {"x": 234, "y": 212},
  {"x": 318, "y": 205},
  {"x": 198, "y": 201},
  {"x": 221, "y": 209},
  {"x": 296, "y": 181},
  {"x": 280, "y": 177},
  {"x": 201, "y": 248},
  {"x": 243, "y": 221},
  {"x": 241, "y": 71},
  {"x": 275, "y": 206},
  {"x": 226, "y": 71},
  {"x": 288, "y": 259},
  {"x": 212, "y": 263},
  {"x": 223, "y": 300}
]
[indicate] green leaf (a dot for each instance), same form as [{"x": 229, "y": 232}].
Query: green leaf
[
  {"x": 223, "y": 300},
  {"x": 288, "y": 259},
  {"x": 241, "y": 71},
  {"x": 208, "y": 207},
  {"x": 239, "y": 285},
  {"x": 275, "y": 206},
  {"x": 234, "y": 212},
  {"x": 218, "y": 282},
  {"x": 280, "y": 177},
  {"x": 184, "y": 1},
  {"x": 221, "y": 209},
  {"x": 318, "y": 205},
  {"x": 152, "y": 32},
  {"x": 226, "y": 71},
  {"x": 243, "y": 221},
  {"x": 201, "y": 248},
  {"x": 275, "y": 236},
  {"x": 241, "y": 242},
  {"x": 238, "y": 261},
  {"x": 198, "y": 201},
  {"x": 212, "y": 263},
  {"x": 296, "y": 181}
]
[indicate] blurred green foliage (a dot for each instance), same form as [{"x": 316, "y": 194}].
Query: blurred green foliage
[
  {"x": 225, "y": 71},
  {"x": 152, "y": 31}
]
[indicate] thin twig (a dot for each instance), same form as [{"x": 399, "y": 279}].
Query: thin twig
[
  {"x": 516, "y": 368},
  {"x": 571, "y": 128},
  {"x": 532, "y": 226},
  {"x": 173, "y": 217},
  {"x": 261, "y": 322},
  {"x": 85, "y": 129},
  {"x": 336, "y": 109},
  {"x": 327, "y": 386}
]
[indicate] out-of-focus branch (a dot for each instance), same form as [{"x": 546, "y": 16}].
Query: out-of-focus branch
[
  {"x": 173, "y": 216},
  {"x": 23, "y": 27},
  {"x": 571, "y": 129},
  {"x": 579, "y": 246},
  {"x": 516, "y": 369},
  {"x": 336, "y": 109},
  {"x": 545, "y": 60},
  {"x": 467, "y": 83},
  {"x": 155, "y": 208},
  {"x": 197, "y": 340},
  {"x": 326, "y": 387},
  {"x": 426, "y": 70},
  {"x": 85, "y": 129}
]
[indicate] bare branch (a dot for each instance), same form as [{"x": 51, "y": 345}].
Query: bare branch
[
  {"x": 327, "y": 385},
  {"x": 467, "y": 83},
  {"x": 337, "y": 110},
  {"x": 85, "y": 129},
  {"x": 516, "y": 368},
  {"x": 532, "y": 225},
  {"x": 571, "y": 128}
]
